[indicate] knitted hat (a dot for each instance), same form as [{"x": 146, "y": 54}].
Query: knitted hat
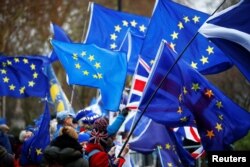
[
  {"x": 3, "y": 125},
  {"x": 83, "y": 137},
  {"x": 87, "y": 116},
  {"x": 99, "y": 133}
]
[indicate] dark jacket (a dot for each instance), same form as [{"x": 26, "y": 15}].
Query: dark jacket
[{"x": 64, "y": 151}]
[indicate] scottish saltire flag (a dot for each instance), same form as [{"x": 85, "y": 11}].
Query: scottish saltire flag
[
  {"x": 60, "y": 35},
  {"x": 186, "y": 94},
  {"x": 171, "y": 152},
  {"x": 23, "y": 76},
  {"x": 177, "y": 24},
  {"x": 93, "y": 66},
  {"x": 34, "y": 147},
  {"x": 57, "y": 96},
  {"x": 109, "y": 29},
  {"x": 138, "y": 83},
  {"x": 230, "y": 31}
]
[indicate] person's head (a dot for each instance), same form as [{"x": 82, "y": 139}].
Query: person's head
[
  {"x": 25, "y": 135},
  {"x": 65, "y": 118},
  {"x": 83, "y": 139},
  {"x": 70, "y": 131},
  {"x": 3, "y": 126}
]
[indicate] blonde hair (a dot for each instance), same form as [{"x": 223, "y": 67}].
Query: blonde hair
[{"x": 68, "y": 130}]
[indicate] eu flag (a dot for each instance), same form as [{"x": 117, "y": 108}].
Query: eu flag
[
  {"x": 57, "y": 95},
  {"x": 33, "y": 147},
  {"x": 23, "y": 76},
  {"x": 109, "y": 29},
  {"x": 157, "y": 136},
  {"x": 230, "y": 31},
  {"x": 186, "y": 94},
  {"x": 177, "y": 24},
  {"x": 60, "y": 35},
  {"x": 89, "y": 65}
]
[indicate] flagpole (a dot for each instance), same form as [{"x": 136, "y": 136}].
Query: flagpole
[{"x": 161, "y": 83}]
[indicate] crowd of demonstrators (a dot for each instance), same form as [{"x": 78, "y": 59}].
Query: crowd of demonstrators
[{"x": 75, "y": 141}]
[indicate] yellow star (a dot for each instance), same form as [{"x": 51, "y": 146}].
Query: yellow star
[
  {"x": 9, "y": 62},
  {"x": 6, "y": 79},
  {"x": 179, "y": 110},
  {"x": 3, "y": 71},
  {"x": 75, "y": 56},
  {"x": 204, "y": 60},
  {"x": 219, "y": 104},
  {"x": 16, "y": 60},
  {"x": 172, "y": 45},
  {"x": 33, "y": 66},
  {"x": 180, "y": 25},
  {"x": 168, "y": 146},
  {"x": 170, "y": 164},
  {"x": 117, "y": 28},
  {"x": 133, "y": 23},
  {"x": 12, "y": 87},
  {"x": 209, "y": 93},
  {"x": 78, "y": 66},
  {"x": 220, "y": 117},
  {"x": 83, "y": 53},
  {"x": 95, "y": 76},
  {"x": 99, "y": 75},
  {"x": 185, "y": 90},
  {"x": 97, "y": 65},
  {"x": 174, "y": 35},
  {"x": 196, "y": 19},
  {"x": 38, "y": 151},
  {"x": 195, "y": 86},
  {"x": 125, "y": 23},
  {"x": 113, "y": 36},
  {"x": 3, "y": 64},
  {"x": 210, "y": 134},
  {"x": 113, "y": 46},
  {"x": 183, "y": 119},
  {"x": 194, "y": 65},
  {"x": 186, "y": 19},
  {"x": 142, "y": 28},
  {"x": 152, "y": 62},
  {"x": 22, "y": 89},
  {"x": 91, "y": 57},
  {"x": 35, "y": 75},
  {"x": 85, "y": 72},
  {"x": 31, "y": 83},
  {"x": 25, "y": 61},
  {"x": 210, "y": 50},
  {"x": 218, "y": 127}
]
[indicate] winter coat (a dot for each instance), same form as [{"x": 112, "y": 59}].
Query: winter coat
[{"x": 64, "y": 151}]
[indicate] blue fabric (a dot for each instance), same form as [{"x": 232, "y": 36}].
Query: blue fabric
[
  {"x": 57, "y": 97},
  {"x": 187, "y": 95},
  {"x": 114, "y": 127},
  {"x": 105, "y": 22},
  {"x": 60, "y": 35},
  {"x": 230, "y": 31},
  {"x": 5, "y": 142},
  {"x": 170, "y": 151},
  {"x": 89, "y": 65},
  {"x": 33, "y": 148},
  {"x": 23, "y": 76},
  {"x": 168, "y": 23}
]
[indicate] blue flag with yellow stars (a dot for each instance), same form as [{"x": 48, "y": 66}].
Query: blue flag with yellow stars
[
  {"x": 186, "y": 94},
  {"x": 158, "y": 137},
  {"x": 177, "y": 24},
  {"x": 60, "y": 35},
  {"x": 230, "y": 31},
  {"x": 89, "y": 65},
  {"x": 109, "y": 29},
  {"x": 57, "y": 96},
  {"x": 23, "y": 76},
  {"x": 32, "y": 151}
]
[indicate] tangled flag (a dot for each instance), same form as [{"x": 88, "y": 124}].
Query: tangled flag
[
  {"x": 23, "y": 76},
  {"x": 230, "y": 31},
  {"x": 89, "y": 65},
  {"x": 189, "y": 98},
  {"x": 117, "y": 31}
]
